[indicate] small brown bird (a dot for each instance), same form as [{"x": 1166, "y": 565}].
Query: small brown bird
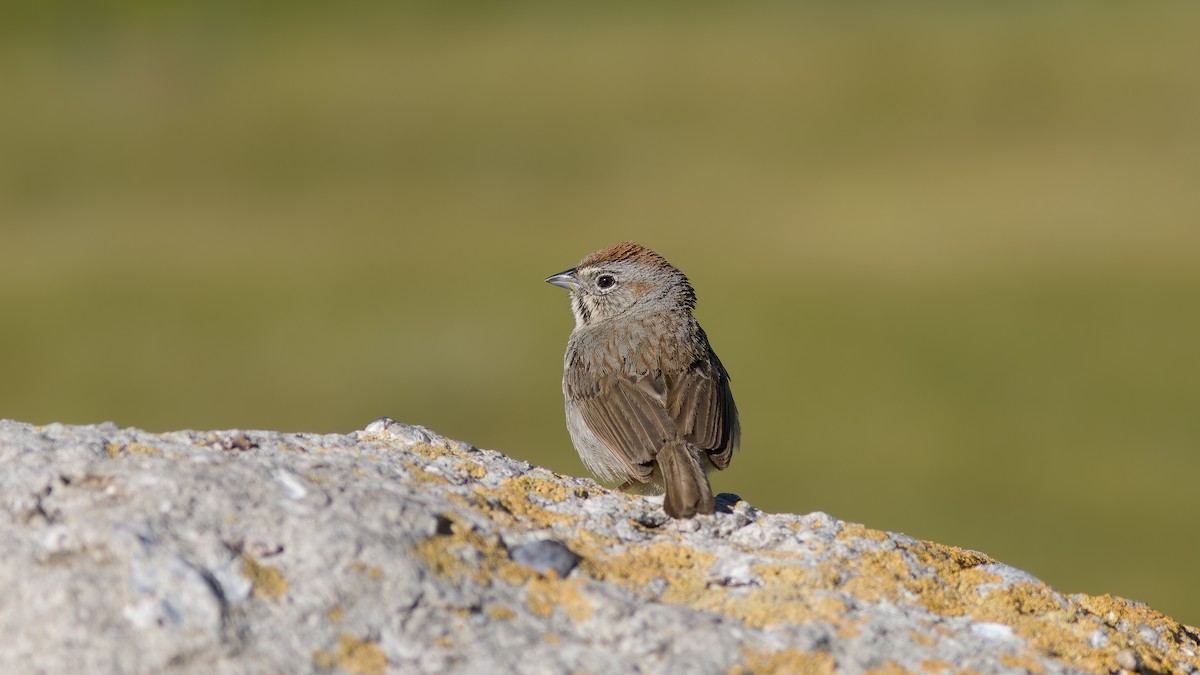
[{"x": 648, "y": 401}]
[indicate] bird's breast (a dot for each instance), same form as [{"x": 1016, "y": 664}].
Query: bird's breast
[{"x": 633, "y": 346}]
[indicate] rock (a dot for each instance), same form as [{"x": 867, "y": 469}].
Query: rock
[
  {"x": 546, "y": 555},
  {"x": 394, "y": 549}
]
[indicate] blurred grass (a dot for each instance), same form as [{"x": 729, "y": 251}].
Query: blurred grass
[{"x": 950, "y": 253}]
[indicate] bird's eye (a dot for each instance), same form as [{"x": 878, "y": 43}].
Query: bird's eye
[{"x": 606, "y": 281}]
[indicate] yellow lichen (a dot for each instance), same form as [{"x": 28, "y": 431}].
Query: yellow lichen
[
  {"x": 501, "y": 613},
  {"x": 683, "y": 568},
  {"x": 267, "y": 581},
  {"x": 142, "y": 449},
  {"x": 889, "y": 668},
  {"x": 513, "y": 494},
  {"x": 372, "y": 572},
  {"x": 785, "y": 597},
  {"x": 547, "y": 489},
  {"x": 943, "y": 579},
  {"x": 336, "y": 613},
  {"x": 115, "y": 450},
  {"x": 847, "y": 630},
  {"x": 947, "y": 582},
  {"x": 921, "y": 638},
  {"x": 857, "y": 531},
  {"x": 544, "y": 594},
  {"x": 588, "y": 543},
  {"x": 1023, "y": 664},
  {"x": 444, "y": 554},
  {"x": 1035, "y": 614},
  {"x": 355, "y": 656},
  {"x": 472, "y": 469},
  {"x": 785, "y": 661},
  {"x": 429, "y": 451},
  {"x": 424, "y": 476}
]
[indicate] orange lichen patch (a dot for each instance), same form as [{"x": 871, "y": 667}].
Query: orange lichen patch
[
  {"x": 1028, "y": 599},
  {"x": 472, "y": 469},
  {"x": 588, "y": 544},
  {"x": 501, "y": 613},
  {"x": 419, "y": 473},
  {"x": 1063, "y": 632},
  {"x": 447, "y": 556},
  {"x": 785, "y": 595},
  {"x": 336, "y": 613},
  {"x": 946, "y": 580},
  {"x": 544, "y": 594},
  {"x": 1022, "y": 664},
  {"x": 683, "y": 568},
  {"x": 857, "y": 531},
  {"x": 889, "y": 668},
  {"x": 444, "y": 554},
  {"x": 551, "y": 638},
  {"x": 782, "y": 600},
  {"x": 267, "y": 581},
  {"x": 921, "y": 638},
  {"x": 889, "y": 575},
  {"x": 513, "y": 494},
  {"x": 542, "y": 487},
  {"x": 355, "y": 656},
  {"x": 941, "y": 578},
  {"x": 142, "y": 449},
  {"x": 1173, "y": 632},
  {"x": 372, "y": 572},
  {"x": 786, "y": 661},
  {"x": 847, "y": 630},
  {"x": 932, "y": 666},
  {"x": 473, "y": 502},
  {"x": 115, "y": 450},
  {"x": 429, "y": 451},
  {"x": 811, "y": 550}
]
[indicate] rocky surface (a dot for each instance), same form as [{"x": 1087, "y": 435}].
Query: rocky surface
[{"x": 396, "y": 550}]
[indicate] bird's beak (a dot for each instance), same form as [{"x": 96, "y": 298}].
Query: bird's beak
[{"x": 565, "y": 280}]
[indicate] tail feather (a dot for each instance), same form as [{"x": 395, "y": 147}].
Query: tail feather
[{"x": 688, "y": 491}]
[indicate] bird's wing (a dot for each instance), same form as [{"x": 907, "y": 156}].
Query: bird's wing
[
  {"x": 635, "y": 415},
  {"x": 630, "y": 422},
  {"x": 700, "y": 403}
]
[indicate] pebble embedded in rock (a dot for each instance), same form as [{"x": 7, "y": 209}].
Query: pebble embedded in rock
[{"x": 545, "y": 556}]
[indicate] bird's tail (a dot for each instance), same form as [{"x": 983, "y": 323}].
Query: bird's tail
[{"x": 688, "y": 491}]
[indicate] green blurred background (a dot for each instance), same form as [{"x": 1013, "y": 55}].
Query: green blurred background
[{"x": 949, "y": 252}]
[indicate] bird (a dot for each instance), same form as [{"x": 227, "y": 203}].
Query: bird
[{"x": 647, "y": 400}]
